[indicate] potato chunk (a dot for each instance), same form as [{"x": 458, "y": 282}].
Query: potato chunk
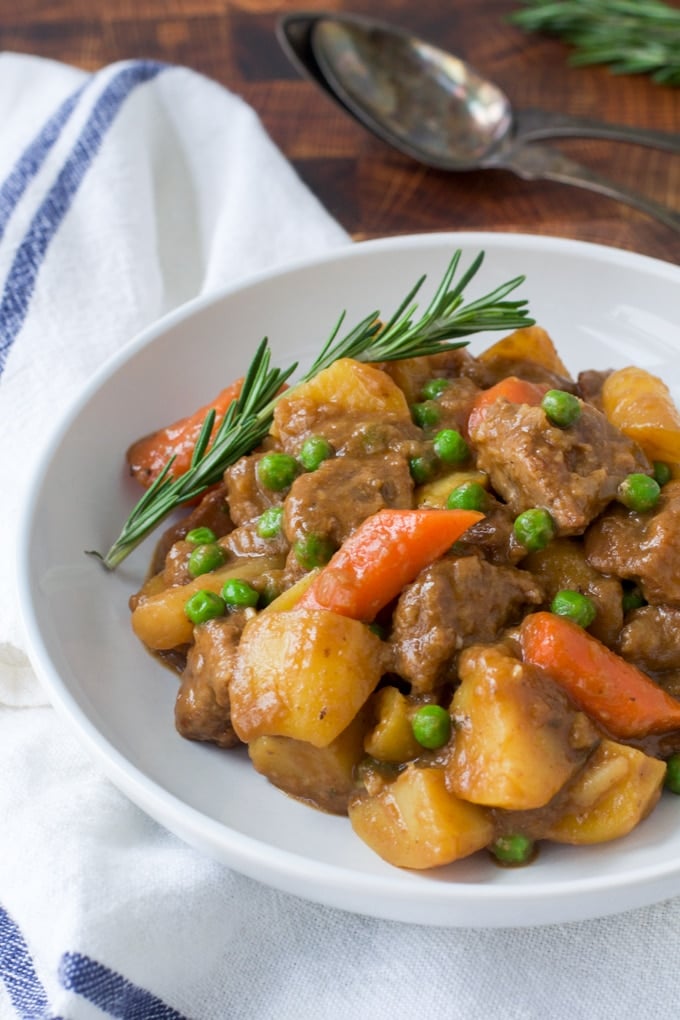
[
  {"x": 531, "y": 343},
  {"x": 321, "y": 776},
  {"x": 303, "y": 674},
  {"x": 345, "y": 387},
  {"x": 158, "y": 618},
  {"x": 617, "y": 789},
  {"x": 642, "y": 406},
  {"x": 391, "y": 739},
  {"x": 517, "y": 739},
  {"x": 416, "y": 822}
]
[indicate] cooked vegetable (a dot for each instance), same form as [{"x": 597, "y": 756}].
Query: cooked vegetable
[
  {"x": 159, "y": 620},
  {"x": 575, "y": 606},
  {"x": 313, "y": 551},
  {"x": 415, "y": 822},
  {"x": 385, "y": 552},
  {"x": 423, "y": 467},
  {"x": 205, "y": 558},
  {"x": 639, "y": 492},
  {"x": 534, "y": 528},
  {"x": 201, "y": 536},
  {"x": 641, "y": 405},
  {"x": 561, "y": 408},
  {"x": 237, "y": 593},
  {"x": 277, "y": 471},
  {"x": 303, "y": 674},
  {"x": 514, "y": 849},
  {"x": 269, "y": 524},
  {"x": 662, "y": 472},
  {"x": 391, "y": 739},
  {"x": 530, "y": 343},
  {"x": 450, "y": 447},
  {"x": 314, "y": 451},
  {"x": 434, "y": 494},
  {"x": 434, "y": 388},
  {"x": 445, "y": 320},
  {"x": 149, "y": 456},
  {"x": 617, "y": 789},
  {"x": 468, "y": 496},
  {"x": 672, "y": 777},
  {"x": 497, "y": 759},
  {"x": 431, "y": 725},
  {"x": 612, "y": 691},
  {"x": 203, "y": 606},
  {"x": 426, "y": 414},
  {"x": 321, "y": 776}
]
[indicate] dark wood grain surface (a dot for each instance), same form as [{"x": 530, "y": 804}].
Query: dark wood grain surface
[{"x": 369, "y": 188}]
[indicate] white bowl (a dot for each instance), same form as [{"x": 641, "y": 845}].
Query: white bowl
[{"x": 603, "y": 307}]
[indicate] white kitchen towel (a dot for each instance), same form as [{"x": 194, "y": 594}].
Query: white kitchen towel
[{"x": 122, "y": 194}]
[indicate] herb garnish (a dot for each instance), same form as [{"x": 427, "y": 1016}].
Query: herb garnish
[
  {"x": 248, "y": 419},
  {"x": 631, "y": 36}
]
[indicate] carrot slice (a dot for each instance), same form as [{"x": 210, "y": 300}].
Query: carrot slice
[
  {"x": 148, "y": 456},
  {"x": 609, "y": 689},
  {"x": 513, "y": 389},
  {"x": 386, "y": 552}
]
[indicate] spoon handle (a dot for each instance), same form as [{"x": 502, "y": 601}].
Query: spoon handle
[
  {"x": 538, "y": 162},
  {"x": 534, "y": 124}
]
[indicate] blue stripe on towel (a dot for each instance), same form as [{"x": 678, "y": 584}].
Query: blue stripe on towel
[
  {"x": 111, "y": 992},
  {"x": 25, "y": 991},
  {"x": 33, "y": 157},
  {"x": 30, "y": 254}
]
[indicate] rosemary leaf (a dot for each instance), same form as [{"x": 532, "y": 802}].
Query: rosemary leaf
[
  {"x": 631, "y": 36},
  {"x": 248, "y": 419}
]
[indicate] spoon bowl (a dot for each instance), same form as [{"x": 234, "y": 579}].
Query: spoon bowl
[{"x": 437, "y": 108}]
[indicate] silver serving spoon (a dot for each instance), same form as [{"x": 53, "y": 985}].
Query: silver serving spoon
[{"x": 438, "y": 110}]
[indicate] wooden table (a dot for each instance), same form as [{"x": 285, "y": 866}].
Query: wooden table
[{"x": 370, "y": 189}]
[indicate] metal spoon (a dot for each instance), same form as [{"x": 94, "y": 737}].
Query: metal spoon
[{"x": 438, "y": 110}]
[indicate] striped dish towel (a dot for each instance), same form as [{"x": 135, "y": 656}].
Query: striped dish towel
[{"x": 122, "y": 195}]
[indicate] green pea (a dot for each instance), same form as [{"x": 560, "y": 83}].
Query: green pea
[
  {"x": 575, "y": 606},
  {"x": 662, "y": 472},
  {"x": 431, "y": 726},
  {"x": 426, "y": 414},
  {"x": 632, "y": 598},
  {"x": 672, "y": 779},
  {"x": 423, "y": 468},
  {"x": 450, "y": 446},
  {"x": 204, "y": 558},
  {"x": 513, "y": 849},
  {"x": 277, "y": 471},
  {"x": 203, "y": 606},
  {"x": 468, "y": 496},
  {"x": 270, "y": 522},
  {"x": 314, "y": 451},
  {"x": 313, "y": 551},
  {"x": 434, "y": 388},
  {"x": 201, "y": 536},
  {"x": 639, "y": 492},
  {"x": 237, "y": 593},
  {"x": 561, "y": 408},
  {"x": 534, "y": 528}
]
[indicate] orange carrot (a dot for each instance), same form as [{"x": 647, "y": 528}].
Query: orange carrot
[
  {"x": 609, "y": 689},
  {"x": 149, "y": 455},
  {"x": 513, "y": 389},
  {"x": 386, "y": 552}
]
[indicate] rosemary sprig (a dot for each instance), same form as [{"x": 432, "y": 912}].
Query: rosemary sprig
[
  {"x": 631, "y": 36},
  {"x": 248, "y": 419}
]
